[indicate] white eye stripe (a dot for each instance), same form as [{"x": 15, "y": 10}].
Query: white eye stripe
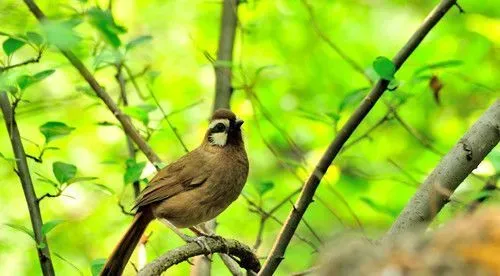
[{"x": 216, "y": 121}]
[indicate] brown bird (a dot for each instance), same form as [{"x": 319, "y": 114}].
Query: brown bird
[{"x": 192, "y": 190}]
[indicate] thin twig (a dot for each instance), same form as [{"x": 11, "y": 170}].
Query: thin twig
[
  {"x": 277, "y": 253},
  {"x": 167, "y": 119},
  {"x": 332, "y": 45},
  {"x": 415, "y": 134},
  {"x": 130, "y": 144},
  {"x": 101, "y": 93},
  {"x": 26, "y": 62}
]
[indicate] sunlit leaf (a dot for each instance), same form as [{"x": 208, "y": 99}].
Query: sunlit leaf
[
  {"x": 133, "y": 171},
  {"x": 106, "y": 58},
  {"x": 21, "y": 229},
  {"x": 23, "y": 81},
  {"x": 43, "y": 74},
  {"x": 138, "y": 41},
  {"x": 140, "y": 112},
  {"x": 353, "y": 98},
  {"x": 11, "y": 45},
  {"x": 55, "y": 130},
  {"x": 385, "y": 68},
  {"x": 264, "y": 187},
  {"x": 103, "y": 188},
  {"x": 61, "y": 33},
  {"x": 438, "y": 65},
  {"x": 104, "y": 22},
  {"x": 49, "y": 225},
  {"x": 96, "y": 266},
  {"x": 63, "y": 171},
  {"x": 81, "y": 179},
  {"x": 35, "y": 38}
]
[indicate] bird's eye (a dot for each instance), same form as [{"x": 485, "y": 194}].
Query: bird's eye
[{"x": 220, "y": 127}]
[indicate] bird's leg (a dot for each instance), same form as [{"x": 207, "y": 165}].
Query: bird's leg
[
  {"x": 201, "y": 230},
  {"x": 198, "y": 240}
]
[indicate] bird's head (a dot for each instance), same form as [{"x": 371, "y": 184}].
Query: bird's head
[{"x": 224, "y": 129}]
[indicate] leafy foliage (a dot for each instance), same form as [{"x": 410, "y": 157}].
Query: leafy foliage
[
  {"x": 55, "y": 130},
  {"x": 63, "y": 171},
  {"x": 11, "y": 45},
  {"x": 384, "y": 68},
  {"x": 133, "y": 171}
]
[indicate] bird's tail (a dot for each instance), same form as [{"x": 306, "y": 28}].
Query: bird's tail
[{"x": 120, "y": 256}]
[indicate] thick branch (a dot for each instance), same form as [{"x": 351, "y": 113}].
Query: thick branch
[
  {"x": 223, "y": 91},
  {"x": 455, "y": 166},
  {"x": 130, "y": 144},
  {"x": 247, "y": 258},
  {"x": 108, "y": 101},
  {"x": 223, "y": 74},
  {"x": 277, "y": 253},
  {"x": 27, "y": 184}
]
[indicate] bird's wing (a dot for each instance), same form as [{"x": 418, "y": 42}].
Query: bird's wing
[{"x": 187, "y": 173}]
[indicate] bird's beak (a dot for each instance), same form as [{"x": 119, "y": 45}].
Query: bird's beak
[{"x": 238, "y": 123}]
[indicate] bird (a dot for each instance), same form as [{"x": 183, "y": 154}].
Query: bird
[{"x": 192, "y": 190}]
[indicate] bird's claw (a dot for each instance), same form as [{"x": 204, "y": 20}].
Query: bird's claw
[{"x": 202, "y": 243}]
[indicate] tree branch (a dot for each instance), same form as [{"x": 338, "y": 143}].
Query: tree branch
[
  {"x": 277, "y": 253},
  {"x": 26, "y": 62},
  {"x": 108, "y": 101},
  {"x": 223, "y": 74},
  {"x": 453, "y": 168},
  {"x": 130, "y": 144},
  {"x": 247, "y": 258},
  {"x": 223, "y": 91},
  {"x": 27, "y": 184}
]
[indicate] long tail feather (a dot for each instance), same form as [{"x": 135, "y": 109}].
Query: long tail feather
[{"x": 120, "y": 256}]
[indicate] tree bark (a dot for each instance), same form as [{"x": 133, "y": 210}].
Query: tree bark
[
  {"x": 23, "y": 172},
  {"x": 305, "y": 198},
  {"x": 455, "y": 166}
]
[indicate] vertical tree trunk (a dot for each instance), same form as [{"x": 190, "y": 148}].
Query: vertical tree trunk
[{"x": 23, "y": 172}]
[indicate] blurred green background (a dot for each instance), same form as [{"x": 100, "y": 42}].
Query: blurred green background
[{"x": 301, "y": 93}]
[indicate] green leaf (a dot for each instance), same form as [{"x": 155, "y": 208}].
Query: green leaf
[
  {"x": 379, "y": 208},
  {"x": 49, "y": 225},
  {"x": 61, "y": 33},
  {"x": 63, "y": 171},
  {"x": 43, "y": 74},
  {"x": 23, "y": 81},
  {"x": 134, "y": 171},
  {"x": 55, "y": 130},
  {"x": 11, "y": 45},
  {"x": 264, "y": 187},
  {"x": 96, "y": 266},
  {"x": 140, "y": 112},
  {"x": 353, "y": 98},
  {"x": 35, "y": 38},
  {"x": 438, "y": 65},
  {"x": 21, "y": 229},
  {"x": 106, "y": 58},
  {"x": 81, "y": 179},
  {"x": 138, "y": 41},
  {"x": 103, "y": 188},
  {"x": 385, "y": 68},
  {"x": 42, "y": 245},
  {"x": 104, "y": 22}
]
